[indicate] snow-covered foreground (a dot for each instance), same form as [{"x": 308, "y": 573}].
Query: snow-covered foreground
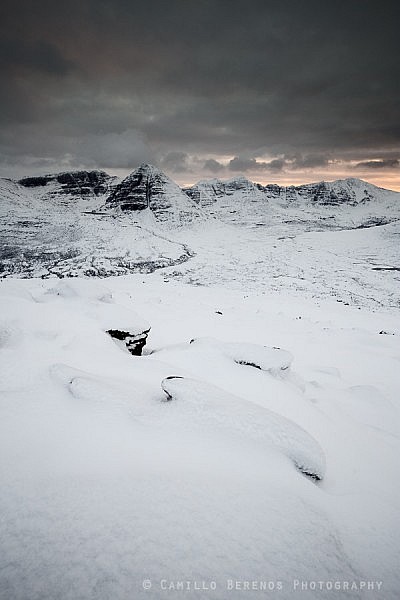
[
  {"x": 356, "y": 266},
  {"x": 268, "y": 460}
]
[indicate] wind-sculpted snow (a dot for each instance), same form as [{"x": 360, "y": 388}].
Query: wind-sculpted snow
[
  {"x": 252, "y": 355},
  {"x": 209, "y": 407},
  {"x": 106, "y": 484}
]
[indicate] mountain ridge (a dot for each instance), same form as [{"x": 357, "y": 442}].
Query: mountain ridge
[
  {"x": 34, "y": 180},
  {"x": 90, "y": 223}
]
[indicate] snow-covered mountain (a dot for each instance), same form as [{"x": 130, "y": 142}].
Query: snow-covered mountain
[
  {"x": 90, "y": 223},
  {"x": 333, "y": 193},
  {"x": 56, "y": 225},
  {"x": 341, "y": 204},
  {"x": 206, "y": 193},
  {"x": 222, "y": 418},
  {"x": 149, "y": 188}
]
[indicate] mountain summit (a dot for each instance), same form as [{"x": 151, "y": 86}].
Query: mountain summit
[
  {"x": 149, "y": 188},
  {"x": 90, "y": 223}
]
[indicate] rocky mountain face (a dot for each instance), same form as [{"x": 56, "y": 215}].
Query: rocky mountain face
[
  {"x": 205, "y": 193},
  {"x": 333, "y": 193},
  {"x": 90, "y": 223},
  {"x": 341, "y": 204},
  {"x": 149, "y": 188},
  {"x": 74, "y": 183}
]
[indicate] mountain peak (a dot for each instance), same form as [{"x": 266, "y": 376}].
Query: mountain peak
[{"x": 149, "y": 188}]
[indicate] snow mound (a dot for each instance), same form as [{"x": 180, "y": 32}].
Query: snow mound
[
  {"x": 253, "y": 355},
  {"x": 123, "y": 319},
  {"x": 210, "y": 406},
  {"x": 80, "y": 288},
  {"x": 10, "y": 334}
]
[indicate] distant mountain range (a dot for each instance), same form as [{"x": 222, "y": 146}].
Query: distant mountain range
[
  {"x": 92, "y": 223},
  {"x": 149, "y": 187}
]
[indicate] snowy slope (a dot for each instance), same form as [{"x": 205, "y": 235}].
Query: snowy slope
[
  {"x": 108, "y": 483},
  {"x": 358, "y": 266},
  {"x": 58, "y": 229},
  {"x": 256, "y": 440},
  {"x": 318, "y": 240}
]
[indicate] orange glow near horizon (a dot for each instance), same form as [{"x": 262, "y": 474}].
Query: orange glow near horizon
[{"x": 385, "y": 178}]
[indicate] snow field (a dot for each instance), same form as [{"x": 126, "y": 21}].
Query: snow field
[{"x": 106, "y": 484}]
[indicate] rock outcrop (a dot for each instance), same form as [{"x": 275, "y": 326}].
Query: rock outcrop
[
  {"x": 134, "y": 342},
  {"x": 74, "y": 183},
  {"x": 149, "y": 188}
]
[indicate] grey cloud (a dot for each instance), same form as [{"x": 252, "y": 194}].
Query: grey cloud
[
  {"x": 243, "y": 164},
  {"x": 39, "y": 55},
  {"x": 206, "y": 78},
  {"x": 308, "y": 161},
  {"x": 42, "y": 152},
  {"x": 379, "y": 164},
  {"x": 251, "y": 164},
  {"x": 175, "y": 161},
  {"x": 213, "y": 165},
  {"x": 276, "y": 165}
]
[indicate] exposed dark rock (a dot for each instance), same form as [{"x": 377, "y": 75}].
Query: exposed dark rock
[
  {"x": 169, "y": 396},
  {"x": 36, "y": 181},
  {"x": 313, "y": 476},
  {"x": 150, "y": 188},
  {"x": 247, "y": 364},
  {"x": 133, "y": 343},
  {"x": 77, "y": 183},
  {"x": 327, "y": 194}
]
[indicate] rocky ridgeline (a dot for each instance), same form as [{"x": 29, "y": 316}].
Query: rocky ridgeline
[
  {"x": 205, "y": 193},
  {"x": 74, "y": 183},
  {"x": 237, "y": 200},
  {"x": 150, "y": 188},
  {"x": 348, "y": 191},
  {"x": 332, "y": 193}
]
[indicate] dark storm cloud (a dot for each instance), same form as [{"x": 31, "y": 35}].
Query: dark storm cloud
[
  {"x": 39, "y": 55},
  {"x": 114, "y": 82},
  {"x": 309, "y": 161},
  {"x": 175, "y": 161},
  {"x": 379, "y": 164},
  {"x": 251, "y": 164},
  {"x": 213, "y": 165}
]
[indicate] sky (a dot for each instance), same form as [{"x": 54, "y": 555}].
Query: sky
[{"x": 281, "y": 91}]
